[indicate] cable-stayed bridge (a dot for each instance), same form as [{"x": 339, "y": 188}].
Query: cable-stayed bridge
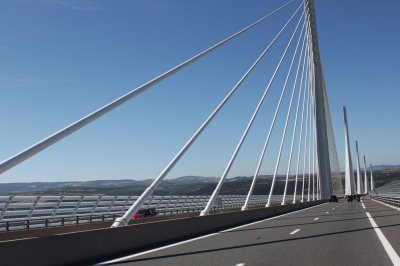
[{"x": 275, "y": 228}]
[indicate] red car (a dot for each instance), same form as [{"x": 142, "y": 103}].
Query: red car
[{"x": 145, "y": 213}]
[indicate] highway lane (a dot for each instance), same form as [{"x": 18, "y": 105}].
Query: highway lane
[{"x": 328, "y": 234}]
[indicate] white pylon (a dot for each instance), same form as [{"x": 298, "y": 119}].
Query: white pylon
[
  {"x": 359, "y": 189},
  {"x": 365, "y": 177},
  {"x": 320, "y": 107},
  {"x": 349, "y": 174},
  {"x": 372, "y": 178}
]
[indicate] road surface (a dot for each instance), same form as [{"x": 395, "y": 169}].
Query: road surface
[{"x": 328, "y": 234}]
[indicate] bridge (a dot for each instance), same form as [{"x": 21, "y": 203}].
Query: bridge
[{"x": 292, "y": 223}]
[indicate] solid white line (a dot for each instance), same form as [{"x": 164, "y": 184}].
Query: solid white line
[
  {"x": 295, "y": 231},
  {"x": 240, "y": 264},
  {"x": 363, "y": 205},
  {"x": 326, "y": 212},
  {"x": 198, "y": 238},
  {"x": 316, "y": 219},
  {"x": 389, "y": 249}
]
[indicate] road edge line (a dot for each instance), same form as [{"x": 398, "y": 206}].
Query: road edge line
[{"x": 394, "y": 257}]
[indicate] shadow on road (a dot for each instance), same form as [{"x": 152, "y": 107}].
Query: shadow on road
[
  {"x": 249, "y": 245},
  {"x": 315, "y": 222}
]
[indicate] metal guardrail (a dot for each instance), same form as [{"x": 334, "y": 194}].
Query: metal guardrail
[
  {"x": 389, "y": 190},
  {"x": 389, "y": 194},
  {"x": 393, "y": 201},
  {"x": 36, "y": 223},
  {"x": 51, "y": 222},
  {"x": 32, "y": 212}
]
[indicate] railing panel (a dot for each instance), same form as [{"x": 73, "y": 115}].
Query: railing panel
[{"x": 22, "y": 212}]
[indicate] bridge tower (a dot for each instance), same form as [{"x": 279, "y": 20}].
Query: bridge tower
[
  {"x": 350, "y": 186},
  {"x": 365, "y": 177},
  {"x": 372, "y": 178},
  {"x": 324, "y": 165},
  {"x": 359, "y": 185}
]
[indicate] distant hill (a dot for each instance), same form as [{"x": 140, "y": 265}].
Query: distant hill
[
  {"x": 43, "y": 186},
  {"x": 386, "y": 176},
  {"x": 193, "y": 180},
  {"x": 99, "y": 186},
  {"x": 185, "y": 185},
  {"x": 385, "y": 167}
]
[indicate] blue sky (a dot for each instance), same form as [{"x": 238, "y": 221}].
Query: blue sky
[{"x": 63, "y": 59}]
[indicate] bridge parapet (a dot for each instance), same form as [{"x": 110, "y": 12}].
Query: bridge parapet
[
  {"x": 388, "y": 194},
  {"x": 90, "y": 246},
  {"x": 30, "y": 212}
]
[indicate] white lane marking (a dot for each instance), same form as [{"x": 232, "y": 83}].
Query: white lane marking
[
  {"x": 326, "y": 212},
  {"x": 198, "y": 238},
  {"x": 389, "y": 249},
  {"x": 240, "y": 264},
  {"x": 241, "y": 226},
  {"x": 387, "y": 205},
  {"x": 295, "y": 231},
  {"x": 362, "y": 204},
  {"x": 333, "y": 208},
  {"x": 316, "y": 219}
]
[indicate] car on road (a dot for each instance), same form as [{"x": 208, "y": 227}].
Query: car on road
[
  {"x": 350, "y": 198},
  {"x": 333, "y": 198},
  {"x": 143, "y": 212}
]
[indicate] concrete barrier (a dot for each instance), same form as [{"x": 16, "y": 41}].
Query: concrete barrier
[{"x": 89, "y": 246}]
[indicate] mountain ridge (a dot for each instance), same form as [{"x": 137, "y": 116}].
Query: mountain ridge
[{"x": 184, "y": 185}]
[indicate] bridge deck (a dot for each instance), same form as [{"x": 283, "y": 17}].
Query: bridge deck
[{"x": 328, "y": 234}]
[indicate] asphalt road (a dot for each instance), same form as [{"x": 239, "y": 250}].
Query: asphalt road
[{"x": 328, "y": 234}]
